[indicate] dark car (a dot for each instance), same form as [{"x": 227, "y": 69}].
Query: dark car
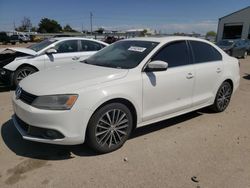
[
  {"x": 247, "y": 45},
  {"x": 235, "y": 48},
  {"x": 5, "y": 38}
]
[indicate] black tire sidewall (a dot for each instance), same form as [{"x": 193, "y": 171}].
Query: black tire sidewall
[{"x": 90, "y": 134}]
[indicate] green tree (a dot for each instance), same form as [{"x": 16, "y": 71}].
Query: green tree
[
  {"x": 100, "y": 30},
  {"x": 47, "y": 25},
  {"x": 211, "y": 34},
  {"x": 144, "y": 32},
  {"x": 68, "y": 28}
]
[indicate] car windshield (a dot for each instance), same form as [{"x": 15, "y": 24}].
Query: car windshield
[
  {"x": 225, "y": 43},
  {"x": 41, "y": 45},
  {"x": 122, "y": 54}
]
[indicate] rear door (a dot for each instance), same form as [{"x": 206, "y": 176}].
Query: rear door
[
  {"x": 208, "y": 69},
  {"x": 169, "y": 91}
]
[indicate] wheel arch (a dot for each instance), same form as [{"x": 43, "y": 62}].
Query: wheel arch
[
  {"x": 27, "y": 65},
  {"x": 230, "y": 81},
  {"x": 125, "y": 102}
]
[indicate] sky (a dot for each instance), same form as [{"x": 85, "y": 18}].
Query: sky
[{"x": 166, "y": 16}]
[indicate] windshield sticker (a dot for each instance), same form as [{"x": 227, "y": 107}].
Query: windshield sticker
[{"x": 137, "y": 49}]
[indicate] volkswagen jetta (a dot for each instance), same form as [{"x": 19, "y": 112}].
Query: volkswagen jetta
[{"x": 129, "y": 84}]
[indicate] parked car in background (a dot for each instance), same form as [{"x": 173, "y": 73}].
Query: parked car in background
[
  {"x": 23, "y": 38},
  {"x": 129, "y": 84},
  {"x": 235, "y": 48},
  {"x": 5, "y": 38},
  {"x": 17, "y": 63},
  {"x": 247, "y": 45}
]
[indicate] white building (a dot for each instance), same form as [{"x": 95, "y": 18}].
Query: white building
[{"x": 235, "y": 25}]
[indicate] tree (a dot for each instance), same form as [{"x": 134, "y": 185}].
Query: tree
[
  {"x": 25, "y": 25},
  {"x": 100, "y": 30},
  {"x": 144, "y": 32},
  {"x": 67, "y": 28},
  {"x": 211, "y": 34},
  {"x": 47, "y": 25},
  {"x": 33, "y": 29}
]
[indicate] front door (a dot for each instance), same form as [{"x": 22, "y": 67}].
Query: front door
[
  {"x": 67, "y": 52},
  {"x": 169, "y": 91}
]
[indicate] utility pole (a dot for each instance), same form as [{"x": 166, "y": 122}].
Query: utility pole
[
  {"x": 14, "y": 25},
  {"x": 91, "y": 17}
]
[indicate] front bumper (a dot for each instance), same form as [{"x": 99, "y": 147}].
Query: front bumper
[{"x": 71, "y": 124}]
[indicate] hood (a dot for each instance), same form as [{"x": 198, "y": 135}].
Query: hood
[
  {"x": 10, "y": 54},
  {"x": 69, "y": 78},
  {"x": 21, "y": 50}
]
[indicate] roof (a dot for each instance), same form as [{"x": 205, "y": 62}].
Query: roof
[
  {"x": 234, "y": 12},
  {"x": 165, "y": 39},
  {"x": 77, "y": 38}
]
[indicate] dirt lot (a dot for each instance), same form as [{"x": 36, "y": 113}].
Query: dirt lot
[{"x": 213, "y": 147}]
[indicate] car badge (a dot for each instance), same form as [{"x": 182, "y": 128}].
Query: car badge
[{"x": 18, "y": 92}]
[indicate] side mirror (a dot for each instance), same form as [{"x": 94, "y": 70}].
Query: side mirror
[
  {"x": 155, "y": 66},
  {"x": 51, "y": 51}
]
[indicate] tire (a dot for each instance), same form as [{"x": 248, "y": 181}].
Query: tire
[
  {"x": 223, "y": 97},
  {"x": 109, "y": 128},
  {"x": 21, "y": 73}
]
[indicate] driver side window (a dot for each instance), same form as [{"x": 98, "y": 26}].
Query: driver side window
[
  {"x": 175, "y": 54},
  {"x": 69, "y": 46}
]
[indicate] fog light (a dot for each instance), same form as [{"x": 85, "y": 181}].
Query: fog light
[
  {"x": 2, "y": 72},
  {"x": 51, "y": 134}
]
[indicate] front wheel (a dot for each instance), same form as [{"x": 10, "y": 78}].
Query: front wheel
[
  {"x": 109, "y": 127},
  {"x": 223, "y": 97},
  {"x": 21, "y": 74}
]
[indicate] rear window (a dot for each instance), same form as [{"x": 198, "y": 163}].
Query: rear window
[{"x": 204, "y": 52}]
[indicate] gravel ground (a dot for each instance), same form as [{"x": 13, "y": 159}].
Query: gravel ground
[{"x": 200, "y": 149}]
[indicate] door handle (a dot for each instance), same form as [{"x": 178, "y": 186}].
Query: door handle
[
  {"x": 218, "y": 70},
  {"x": 75, "y": 58},
  {"x": 189, "y": 75}
]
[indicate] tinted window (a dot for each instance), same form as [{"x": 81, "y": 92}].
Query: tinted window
[
  {"x": 67, "y": 46},
  {"x": 204, "y": 52},
  {"x": 90, "y": 46},
  {"x": 175, "y": 54}
]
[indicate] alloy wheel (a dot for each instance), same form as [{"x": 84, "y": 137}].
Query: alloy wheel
[
  {"x": 112, "y": 128},
  {"x": 23, "y": 73},
  {"x": 224, "y": 96}
]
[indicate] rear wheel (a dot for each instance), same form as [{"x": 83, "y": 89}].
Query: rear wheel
[
  {"x": 223, "y": 97},
  {"x": 21, "y": 74},
  {"x": 109, "y": 127}
]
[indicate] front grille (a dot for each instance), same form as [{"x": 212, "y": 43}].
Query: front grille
[{"x": 27, "y": 97}]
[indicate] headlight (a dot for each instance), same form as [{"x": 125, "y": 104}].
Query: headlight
[{"x": 55, "y": 102}]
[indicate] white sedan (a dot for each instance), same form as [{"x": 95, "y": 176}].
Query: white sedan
[
  {"x": 129, "y": 84},
  {"x": 17, "y": 63}
]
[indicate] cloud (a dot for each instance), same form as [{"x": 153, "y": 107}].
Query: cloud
[
  {"x": 198, "y": 27},
  {"x": 201, "y": 27}
]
